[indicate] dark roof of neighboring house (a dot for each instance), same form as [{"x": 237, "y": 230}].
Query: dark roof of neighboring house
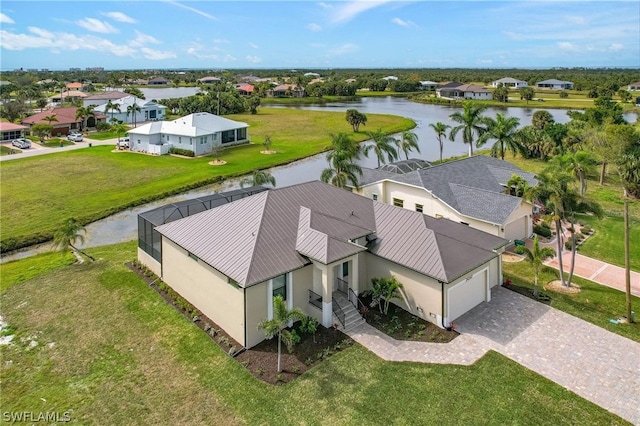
[
  {"x": 472, "y": 88},
  {"x": 265, "y": 235},
  {"x": 472, "y": 186},
  {"x": 450, "y": 84},
  {"x": 554, "y": 81},
  {"x": 110, "y": 95}
]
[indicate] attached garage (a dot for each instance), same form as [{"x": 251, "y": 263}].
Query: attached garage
[
  {"x": 517, "y": 229},
  {"x": 467, "y": 294}
]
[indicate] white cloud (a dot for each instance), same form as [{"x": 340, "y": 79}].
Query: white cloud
[
  {"x": 578, "y": 20},
  {"x": 229, "y": 58},
  {"x": 345, "y": 12},
  {"x": 5, "y": 19},
  {"x": 120, "y": 17},
  {"x": 324, "y": 5},
  {"x": 615, "y": 47},
  {"x": 97, "y": 26},
  {"x": 314, "y": 27},
  {"x": 253, "y": 45},
  {"x": 157, "y": 54},
  {"x": 253, "y": 59},
  {"x": 403, "y": 23},
  {"x": 221, "y": 41},
  {"x": 342, "y": 50},
  {"x": 567, "y": 46},
  {"x": 143, "y": 39},
  {"x": 192, "y": 9}
]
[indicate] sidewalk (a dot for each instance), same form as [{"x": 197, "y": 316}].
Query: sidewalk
[{"x": 36, "y": 149}]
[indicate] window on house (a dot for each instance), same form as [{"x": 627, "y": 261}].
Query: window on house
[
  {"x": 375, "y": 197},
  {"x": 419, "y": 208},
  {"x": 398, "y": 202},
  {"x": 280, "y": 286},
  {"x": 179, "y": 139},
  {"x": 345, "y": 269},
  {"x": 193, "y": 256},
  {"x": 167, "y": 138}
]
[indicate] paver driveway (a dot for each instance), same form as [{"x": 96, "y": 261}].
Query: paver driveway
[{"x": 598, "y": 365}]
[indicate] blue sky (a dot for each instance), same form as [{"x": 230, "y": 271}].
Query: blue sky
[{"x": 329, "y": 34}]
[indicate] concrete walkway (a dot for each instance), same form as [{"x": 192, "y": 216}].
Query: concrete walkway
[
  {"x": 598, "y": 365},
  {"x": 36, "y": 149}
]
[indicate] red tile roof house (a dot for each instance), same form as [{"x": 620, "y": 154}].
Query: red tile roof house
[
  {"x": 290, "y": 90},
  {"x": 634, "y": 87},
  {"x": 10, "y": 131},
  {"x": 245, "y": 89},
  {"x": 66, "y": 120},
  {"x": 318, "y": 247}
]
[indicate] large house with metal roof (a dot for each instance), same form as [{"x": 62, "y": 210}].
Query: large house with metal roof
[
  {"x": 198, "y": 132},
  {"x": 472, "y": 191},
  {"x": 123, "y": 110},
  {"x": 464, "y": 91},
  {"x": 315, "y": 244},
  {"x": 555, "y": 84}
]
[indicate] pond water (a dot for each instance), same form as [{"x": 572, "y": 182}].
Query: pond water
[{"x": 122, "y": 226}]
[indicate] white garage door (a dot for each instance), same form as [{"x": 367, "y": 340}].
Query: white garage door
[
  {"x": 467, "y": 294},
  {"x": 516, "y": 230}
]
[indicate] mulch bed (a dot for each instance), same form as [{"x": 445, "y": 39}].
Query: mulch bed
[
  {"x": 261, "y": 360},
  {"x": 526, "y": 291},
  {"x": 403, "y": 325}
]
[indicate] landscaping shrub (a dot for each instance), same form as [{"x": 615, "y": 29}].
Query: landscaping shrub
[
  {"x": 542, "y": 231},
  {"x": 180, "y": 151},
  {"x": 103, "y": 126}
]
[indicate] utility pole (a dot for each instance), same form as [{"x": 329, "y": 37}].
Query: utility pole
[{"x": 627, "y": 265}]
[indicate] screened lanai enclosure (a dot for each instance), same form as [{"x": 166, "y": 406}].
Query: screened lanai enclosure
[{"x": 405, "y": 166}]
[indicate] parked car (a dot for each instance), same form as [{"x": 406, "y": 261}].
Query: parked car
[
  {"x": 75, "y": 137},
  {"x": 123, "y": 143},
  {"x": 21, "y": 143}
]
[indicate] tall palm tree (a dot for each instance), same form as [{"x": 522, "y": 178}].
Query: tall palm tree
[
  {"x": 342, "y": 169},
  {"x": 471, "y": 121},
  {"x": 441, "y": 130},
  {"x": 50, "y": 118},
  {"x": 259, "y": 177},
  {"x": 504, "y": 130},
  {"x": 536, "y": 256},
  {"x": 408, "y": 142},
  {"x": 84, "y": 113},
  {"x": 382, "y": 145},
  {"x": 65, "y": 237},
  {"x": 277, "y": 326},
  {"x": 111, "y": 106},
  {"x": 580, "y": 164},
  {"x": 133, "y": 110}
]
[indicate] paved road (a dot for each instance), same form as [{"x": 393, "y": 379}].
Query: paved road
[
  {"x": 596, "y": 364},
  {"x": 41, "y": 150}
]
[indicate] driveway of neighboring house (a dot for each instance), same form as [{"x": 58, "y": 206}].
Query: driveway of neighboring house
[
  {"x": 596, "y": 364},
  {"x": 41, "y": 150}
]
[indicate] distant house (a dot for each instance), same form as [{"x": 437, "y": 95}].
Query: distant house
[
  {"x": 634, "y": 87},
  {"x": 287, "y": 90},
  {"x": 68, "y": 96},
  {"x": 158, "y": 81},
  {"x": 10, "y": 131},
  {"x": 311, "y": 74},
  {"x": 554, "y": 84},
  {"x": 66, "y": 121},
  {"x": 428, "y": 85},
  {"x": 103, "y": 97},
  {"x": 390, "y": 77},
  {"x": 245, "y": 89},
  {"x": 74, "y": 86},
  {"x": 464, "y": 91},
  {"x": 198, "y": 132},
  {"x": 149, "y": 110},
  {"x": 208, "y": 80},
  {"x": 509, "y": 82}
]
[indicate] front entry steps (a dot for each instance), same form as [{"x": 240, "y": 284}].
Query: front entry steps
[{"x": 352, "y": 317}]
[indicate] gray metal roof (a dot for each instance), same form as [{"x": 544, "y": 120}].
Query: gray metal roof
[
  {"x": 473, "y": 186},
  {"x": 273, "y": 232}
]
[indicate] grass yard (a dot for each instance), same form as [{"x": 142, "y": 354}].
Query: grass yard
[
  {"x": 596, "y": 303},
  {"x": 607, "y": 242},
  {"x": 110, "y": 349},
  {"x": 9, "y": 150},
  {"x": 91, "y": 184}
]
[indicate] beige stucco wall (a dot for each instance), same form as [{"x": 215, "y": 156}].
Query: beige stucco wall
[
  {"x": 520, "y": 228},
  {"x": 205, "y": 288},
  {"x": 149, "y": 262},
  {"x": 419, "y": 290}
]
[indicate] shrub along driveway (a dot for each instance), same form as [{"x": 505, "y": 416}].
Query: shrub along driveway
[{"x": 598, "y": 365}]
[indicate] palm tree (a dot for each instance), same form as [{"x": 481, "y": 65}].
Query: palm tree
[
  {"x": 441, "y": 130},
  {"x": 471, "y": 122},
  {"x": 536, "y": 256},
  {"x": 580, "y": 164},
  {"x": 67, "y": 236},
  {"x": 408, "y": 142},
  {"x": 504, "y": 130},
  {"x": 134, "y": 109},
  {"x": 110, "y": 106},
  {"x": 84, "y": 113},
  {"x": 50, "y": 118},
  {"x": 342, "y": 168},
  {"x": 517, "y": 185},
  {"x": 259, "y": 177},
  {"x": 277, "y": 326},
  {"x": 382, "y": 144}
]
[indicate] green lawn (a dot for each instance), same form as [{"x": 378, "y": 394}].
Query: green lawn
[
  {"x": 9, "y": 150},
  {"x": 595, "y": 303},
  {"x": 110, "y": 349},
  {"x": 607, "y": 242},
  {"x": 91, "y": 184}
]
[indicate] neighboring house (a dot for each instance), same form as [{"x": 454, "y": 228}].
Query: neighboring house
[
  {"x": 74, "y": 86},
  {"x": 208, "y": 80},
  {"x": 290, "y": 90},
  {"x": 311, "y": 74},
  {"x": 428, "y": 85},
  {"x": 465, "y": 91},
  {"x": 103, "y": 97},
  {"x": 149, "y": 110},
  {"x": 10, "y": 131},
  {"x": 509, "y": 82},
  {"x": 634, "y": 87},
  {"x": 68, "y": 96},
  {"x": 66, "y": 120},
  {"x": 245, "y": 89},
  {"x": 198, "y": 132},
  {"x": 307, "y": 241},
  {"x": 390, "y": 77},
  {"x": 471, "y": 191},
  {"x": 158, "y": 81},
  {"x": 554, "y": 84}
]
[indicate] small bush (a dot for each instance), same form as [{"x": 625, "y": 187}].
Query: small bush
[
  {"x": 180, "y": 151},
  {"x": 542, "y": 231},
  {"x": 103, "y": 126}
]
